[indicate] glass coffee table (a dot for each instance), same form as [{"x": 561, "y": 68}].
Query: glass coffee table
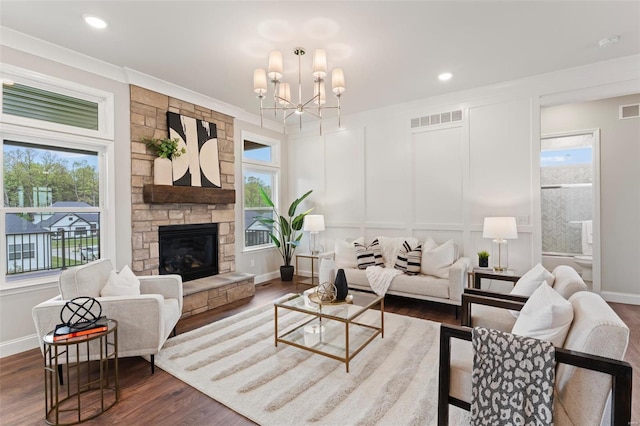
[{"x": 336, "y": 330}]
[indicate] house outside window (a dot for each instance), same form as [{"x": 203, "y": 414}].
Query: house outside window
[{"x": 260, "y": 169}]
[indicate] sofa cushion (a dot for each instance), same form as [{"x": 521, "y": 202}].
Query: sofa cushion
[
  {"x": 437, "y": 260},
  {"x": 545, "y": 316},
  {"x": 369, "y": 255},
  {"x": 409, "y": 259},
  {"x": 86, "y": 280},
  {"x": 124, "y": 283},
  {"x": 345, "y": 253},
  {"x": 404, "y": 285}
]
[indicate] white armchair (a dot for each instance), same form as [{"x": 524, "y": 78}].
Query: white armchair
[{"x": 144, "y": 322}]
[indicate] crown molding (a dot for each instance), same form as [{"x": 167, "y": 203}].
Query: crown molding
[{"x": 47, "y": 50}]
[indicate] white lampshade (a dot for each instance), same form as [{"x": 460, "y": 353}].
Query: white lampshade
[
  {"x": 275, "y": 65},
  {"x": 322, "y": 99},
  {"x": 284, "y": 92},
  {"x": 260, "y": 81},
  {"x": 319, "y": 63},
  {"x": 337, "y": 81},
  {"x": 314, "y": 222},
  {"x": 500, "y": 227}
]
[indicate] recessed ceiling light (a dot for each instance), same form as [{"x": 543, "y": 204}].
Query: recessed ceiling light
[
  {"x": 445, "y": 76},
  {"x": 95, "y": 21},
  {"x": 609, "y": 41}
]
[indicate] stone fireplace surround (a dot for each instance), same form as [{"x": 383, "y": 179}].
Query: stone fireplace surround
[{"x": 149, "y": 119}]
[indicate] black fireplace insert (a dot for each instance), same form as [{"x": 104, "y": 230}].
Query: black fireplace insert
[{"x": 189, "y": 250}]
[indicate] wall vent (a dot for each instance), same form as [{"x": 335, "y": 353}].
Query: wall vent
[
  {"x": 435, "y": 119},
  {"x": 629, "y": 111}
]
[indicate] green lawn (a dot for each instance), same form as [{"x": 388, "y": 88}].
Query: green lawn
[
  {"x": 76, "y": 242},
  {"x": 56, "y": 262}
]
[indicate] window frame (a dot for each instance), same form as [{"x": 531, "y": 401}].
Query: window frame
[
  {"x": 105, "y": 101},
  {"x": 271, "y": 167},
  {"x": 44, "y": 133}
]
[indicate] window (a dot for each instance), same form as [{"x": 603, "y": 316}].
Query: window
[
  {"x": 43, "y": 102},
  {"x": 567, "y": 195},
  {"x": 261, "y": 169},
  {"x": 47, "y": 189}
]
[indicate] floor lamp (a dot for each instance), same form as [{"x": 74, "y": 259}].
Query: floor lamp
[
  {"x": 314, "y": 223},
  {"x": 500, "y": 229}
]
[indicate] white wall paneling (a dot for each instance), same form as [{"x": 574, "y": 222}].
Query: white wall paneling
[
  {"x": 388, "y": 179},
  {"x": 437, "y": 176},
  {"x": 500, "y": 160},
  {"x": 344, "y": 176}
]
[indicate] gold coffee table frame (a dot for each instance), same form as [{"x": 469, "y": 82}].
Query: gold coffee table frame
[{"x": 357, "y": 334}]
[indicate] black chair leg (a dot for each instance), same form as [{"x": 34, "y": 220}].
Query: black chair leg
[
  {"x": 60, "y": 374},
  {"x": 457, "y": 309},
  {"x": 153, "y": 364}
]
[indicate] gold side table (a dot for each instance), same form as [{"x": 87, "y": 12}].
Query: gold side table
[
  {"x": 314, "y": 257},
  {"x": 73, "y": 392}
]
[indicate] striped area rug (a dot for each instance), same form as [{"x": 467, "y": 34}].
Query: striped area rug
[{"x": 393, "y": 381}]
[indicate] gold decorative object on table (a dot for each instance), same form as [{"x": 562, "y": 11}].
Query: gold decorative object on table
[{"x": 326, "y": 292}]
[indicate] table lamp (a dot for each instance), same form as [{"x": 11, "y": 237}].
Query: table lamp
[
  {"x": 314, "y": 223},
  {"x": 500, "y": 229}
]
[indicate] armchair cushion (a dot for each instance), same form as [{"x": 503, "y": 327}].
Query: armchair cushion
[
  {"x": 546, "y": 316},
  {"x": 567, "y": 281},
  {"x": 124, "y": 283}
]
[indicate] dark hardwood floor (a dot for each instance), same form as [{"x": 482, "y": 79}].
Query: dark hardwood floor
[{"x": 161, "y": 399}]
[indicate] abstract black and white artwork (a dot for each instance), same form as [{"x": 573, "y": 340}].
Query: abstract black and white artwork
[{"x": 199, "y": 166}]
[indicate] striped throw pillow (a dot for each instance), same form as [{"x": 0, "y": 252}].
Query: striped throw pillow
[
  {"x": 370, "y": 255},
  {"x": 409, "y": 259}
]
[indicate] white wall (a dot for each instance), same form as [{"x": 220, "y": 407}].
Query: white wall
[
  {"x": 619, "y": 186},
  {"x": 380, "y": 177}
]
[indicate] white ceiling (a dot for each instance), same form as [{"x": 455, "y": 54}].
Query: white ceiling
[{"x": 391, "y": 51}]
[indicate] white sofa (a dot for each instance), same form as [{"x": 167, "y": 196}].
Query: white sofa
[{"x": 426, "y": 287}]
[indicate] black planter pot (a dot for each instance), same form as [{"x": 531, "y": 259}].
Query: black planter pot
[
  {"x": 342, "y": 288},
  {"x": 483, "y": 262},
  {"x": 286, "y": 272}
]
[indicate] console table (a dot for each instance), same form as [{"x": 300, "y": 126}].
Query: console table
[{"x": 84, "y": 393}]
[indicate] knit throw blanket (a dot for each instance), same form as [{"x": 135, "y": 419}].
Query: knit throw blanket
[
  {"x": 512, "y": 379},
  {"x": 380, "y": 278}
]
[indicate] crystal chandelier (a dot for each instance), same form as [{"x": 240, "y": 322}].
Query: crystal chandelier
[{"x": 282, "y": 91}]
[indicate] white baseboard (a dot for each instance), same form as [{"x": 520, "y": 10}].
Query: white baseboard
[
  {"x": 616, "y": 297},
  {"x": 259, "y": 279},
  {"x": 18, "y": 345}
]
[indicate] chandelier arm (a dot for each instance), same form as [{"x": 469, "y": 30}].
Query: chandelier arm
[
  {"x": 310, "y": 100},
  {"x": 314, "y": 114}
]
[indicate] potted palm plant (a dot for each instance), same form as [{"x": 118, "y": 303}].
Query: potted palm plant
[
  {"x": 166, "y": 149},
  {"x": 285, "y": 231}
]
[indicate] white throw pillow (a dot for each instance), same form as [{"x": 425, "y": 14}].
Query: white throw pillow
[
  {"x": 123, "y": 284},
  {"x": 436, "y": 261},
  {"x": 545, "y": 316},
  {"x": 345, "y": 253},
  {"x": 530, "y": 281}
]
